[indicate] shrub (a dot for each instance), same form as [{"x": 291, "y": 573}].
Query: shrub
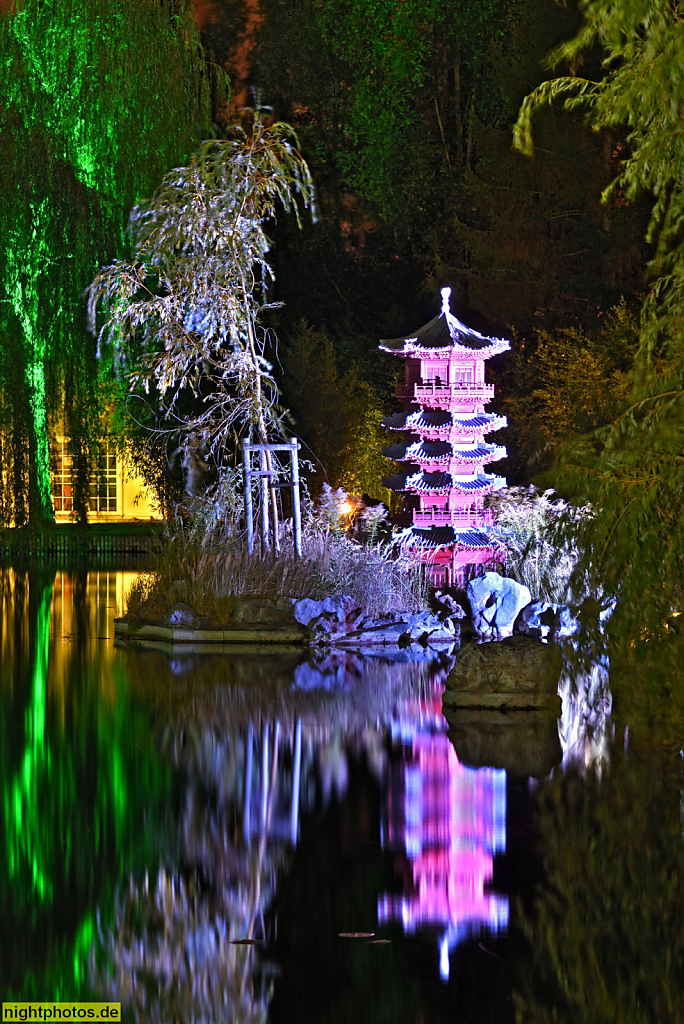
[{"x": 539, "y": 554}]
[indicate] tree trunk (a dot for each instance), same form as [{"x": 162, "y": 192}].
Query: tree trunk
[
  {"x": 261, "y": 422},
  {"x": 39, "y": 488}
]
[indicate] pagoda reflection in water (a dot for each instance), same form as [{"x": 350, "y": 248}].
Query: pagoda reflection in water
[{"x": 446, "y": 822}]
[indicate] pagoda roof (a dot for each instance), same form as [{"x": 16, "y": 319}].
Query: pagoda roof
[
  {"x": 445, "y": 334},
  {"x": 442, "y": 483},
  {"x": 434, "y": 537},
  {"x": 422, "y": 451},
  {"x": 440, "y": 419}
]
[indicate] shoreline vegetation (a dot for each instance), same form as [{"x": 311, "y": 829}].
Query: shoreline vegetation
[
  {"x": 203, "y": 587},
  {"x": 201, "y": 561},
  {"x": 209, "y": 572}
]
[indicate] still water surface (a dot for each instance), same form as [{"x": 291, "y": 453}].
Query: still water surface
[{"x": 262, "y": 837}]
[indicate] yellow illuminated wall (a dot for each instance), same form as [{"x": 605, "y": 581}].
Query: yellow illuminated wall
[{"x": 117, "y": 492}]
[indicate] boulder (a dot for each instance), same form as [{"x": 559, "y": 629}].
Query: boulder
[
  {"x": 261, "y": 611},
  {"x": 447, "y": 606},
  {"x": 496, "y": 602},
  {"x": 371, "y": 633},
  {"x": 306, "y": 610},
  {"x": 425, "y": 624},
  {"x": 521, "y": 742},
  {"x": 424, "y": 628},
  {"x": 541, "y": 620},
  {"x": 180, "y": 614},
  {"x": 516, "y": 673},
  {"x": 342, "y": 609},
  {"x": 386, "y": 621}
]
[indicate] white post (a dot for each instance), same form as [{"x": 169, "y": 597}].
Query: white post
[
  {"x": 265, "y": 495},
  {"x": 296, "y": 507},
  {"x": 249, "y": 511}
]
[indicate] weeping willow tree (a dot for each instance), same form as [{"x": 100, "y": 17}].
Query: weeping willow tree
[
  {"x": 99, "y": 97},
  {"x": 633, "y": 469},
  {"x": 183, "y": 316}
]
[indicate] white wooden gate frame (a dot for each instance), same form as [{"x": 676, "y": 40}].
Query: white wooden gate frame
[{"x": 267, "y": 481}]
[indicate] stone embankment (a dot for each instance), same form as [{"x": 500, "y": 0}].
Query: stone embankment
[
  {"x": 501, "y": 702},
  {"x": 333, "y": 621},
  {"x": 499, "y": 608}
]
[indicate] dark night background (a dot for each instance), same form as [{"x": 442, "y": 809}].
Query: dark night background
[{"x": 405, "y": 113}]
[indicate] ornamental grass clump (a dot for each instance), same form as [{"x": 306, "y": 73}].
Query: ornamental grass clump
[
  {"x": 539, "y": 551},
  {"x": 193, "y": 568}
]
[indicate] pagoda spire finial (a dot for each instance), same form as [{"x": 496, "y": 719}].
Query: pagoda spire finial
[{"x": 446, "y": 292}]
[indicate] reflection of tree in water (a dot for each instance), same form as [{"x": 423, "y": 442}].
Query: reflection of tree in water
[
  {"x": 186, "y": 945},
  {"x": 585, "y": 729},
  {"x": 71, "y": 794},
  {"x": 255, "y": 759},
  {"x": 606, "y": 932}
]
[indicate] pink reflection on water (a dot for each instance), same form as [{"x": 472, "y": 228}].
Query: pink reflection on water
[{"x": 446, "y": 823}]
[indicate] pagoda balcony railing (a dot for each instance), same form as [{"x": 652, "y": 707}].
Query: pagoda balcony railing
[
  {"x": 457, "y": 465},
  {"x": 455, "y": 517},
  {"x": 427, "y": 390}
]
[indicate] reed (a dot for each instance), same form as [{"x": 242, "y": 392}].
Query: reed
[
  {"x": 206, "y": 572},
  {"x": 541, "y": 552}
]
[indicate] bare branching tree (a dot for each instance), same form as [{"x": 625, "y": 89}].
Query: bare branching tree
[{"x": 182, "y": 319}]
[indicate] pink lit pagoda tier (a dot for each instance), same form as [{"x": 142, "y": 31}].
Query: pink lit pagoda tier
[{"x": 444, "y": 453}]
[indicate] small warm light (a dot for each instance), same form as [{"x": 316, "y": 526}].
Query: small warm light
[{"x": 345, "y": 508}]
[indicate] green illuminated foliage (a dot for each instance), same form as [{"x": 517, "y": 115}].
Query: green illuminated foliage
[
  {"x": 98, "y": 99},
  {"x": 183, "y": 315},
  {"x": 632, "y": 470}
]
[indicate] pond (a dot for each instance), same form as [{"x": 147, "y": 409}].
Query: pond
[{"x": 267, "y": 836}]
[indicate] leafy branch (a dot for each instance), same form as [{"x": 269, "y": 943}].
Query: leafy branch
[{"x": 182, "y": 318}]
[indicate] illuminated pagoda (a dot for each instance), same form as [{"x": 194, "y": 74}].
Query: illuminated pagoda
[{"x": 444, "y": 452}]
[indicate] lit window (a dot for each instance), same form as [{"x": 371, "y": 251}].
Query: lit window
[
  {"x": 103, "y": 482},
  {"x": 433, "y": 371},
  {"x": 62, "y": 480}
]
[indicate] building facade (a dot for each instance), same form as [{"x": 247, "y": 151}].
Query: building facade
[
  {"x": 116, "y": 493},
  {"x": 444, "y": 452}
]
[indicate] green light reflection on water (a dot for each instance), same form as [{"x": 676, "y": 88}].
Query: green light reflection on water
[
  {"x": 83, "y": 782},
  {"x": 21, "y": 807}
]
